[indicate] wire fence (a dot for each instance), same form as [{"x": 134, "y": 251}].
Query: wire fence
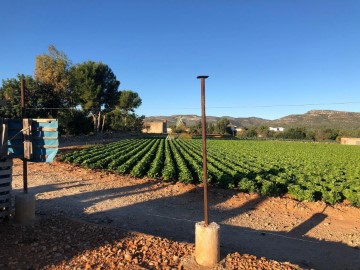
[{"x": 228, "y": 107}]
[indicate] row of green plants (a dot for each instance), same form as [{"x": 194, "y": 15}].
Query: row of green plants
[{"x": 306, "y": 171}]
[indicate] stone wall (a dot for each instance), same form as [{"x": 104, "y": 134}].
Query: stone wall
[
  {"x": 350, "y": 141},
  {"x": 155, "y": 127}
]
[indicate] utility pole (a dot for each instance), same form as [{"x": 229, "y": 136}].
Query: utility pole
[{"x": 203, "y": 124}]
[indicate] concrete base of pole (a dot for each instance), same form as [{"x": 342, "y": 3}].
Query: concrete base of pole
[
  {"x": 207, "y": 244},
  {"x": 24, "y": 208}
]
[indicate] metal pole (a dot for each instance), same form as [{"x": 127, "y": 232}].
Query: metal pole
[
  {"x": 203, "y": 124},
  {"x": 23, "y": 115}
]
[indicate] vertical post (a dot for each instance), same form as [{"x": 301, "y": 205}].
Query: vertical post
[
  {"x": 207, "y": 236},
  {"x": 203, "y": 124},
  {"x": 24, "y": 203},
  {"x": 23, "y": 115}
]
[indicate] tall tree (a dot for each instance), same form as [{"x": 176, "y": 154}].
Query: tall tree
[
  {"x": 96, "y": 87},
  {"x": 263, "y": 131},
  {"x": 34, "y": 96},
  {"x": 128, "y": 102},
  {"x": 52, "y": 70},
  {"x": 221, "y": 125}
]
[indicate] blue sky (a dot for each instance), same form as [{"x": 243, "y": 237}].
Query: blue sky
[{"x": 257, "y": 53}]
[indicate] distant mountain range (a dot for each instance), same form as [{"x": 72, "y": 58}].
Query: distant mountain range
[{"x": 312, "y": 119}]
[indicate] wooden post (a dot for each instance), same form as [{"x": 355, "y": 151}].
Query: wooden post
[
  {"x": 23, "y": 115},
  {"x": 27, "y": 140}
]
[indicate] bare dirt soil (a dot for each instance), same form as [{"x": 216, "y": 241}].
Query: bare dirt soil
[
  {"x": 308, "y": 234},
  {"x": 59, "y": 243}
]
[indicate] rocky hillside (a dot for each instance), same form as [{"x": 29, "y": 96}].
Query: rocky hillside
[
  {"x": 321, "y": 118},
  {"x": 313, "y": 118},
  {"x": 191, "y": 120}
]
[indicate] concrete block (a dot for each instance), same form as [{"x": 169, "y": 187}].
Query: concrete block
[
  {"x": 207, "y": 244},
  {"x": 24, "y": 208}
]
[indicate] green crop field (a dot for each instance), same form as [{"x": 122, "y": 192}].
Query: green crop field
[{"x": 306, "y": 171}]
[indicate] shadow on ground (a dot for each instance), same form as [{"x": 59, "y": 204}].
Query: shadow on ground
[{"x": 174, "y": 217}]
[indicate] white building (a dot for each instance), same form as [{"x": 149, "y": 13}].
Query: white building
[{"x": 277, "y": 129}]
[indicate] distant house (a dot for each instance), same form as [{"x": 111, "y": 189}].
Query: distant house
[
  {"x": 277, "y": 129},
  {"x": 350, "y": 141},
  {"x": 235, "y": 129},
  {"x": 159, "y": 127}
]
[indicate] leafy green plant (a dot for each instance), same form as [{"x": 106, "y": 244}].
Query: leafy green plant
[{"x": 307, "y": 171}]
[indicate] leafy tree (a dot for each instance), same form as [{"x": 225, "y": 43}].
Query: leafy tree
[
  {"x": 210, "y": 128},
  {"x": 135, "y": 122},
  {"x": 128, "y": 102},
  {"x": 250, "y": 132},
  {"x": 311, "y": 135},
  {"x": 295, "y": 133},
  {"x": 355, "y": 133},
  {"x": 221, "y": 125},
  {"x": 96, "y": 89},
  {"x": 330, "y": 134},
  {"x": 52, "y": 70},
  {"x": 35, "y": 97},
  {"x": 116, "y": 121},
  {"x": 95, "y": 85},
  {"x": 263, "y": 131},
  {"x": 57, "y": 84},
  {"x": 10, "y": 92}
]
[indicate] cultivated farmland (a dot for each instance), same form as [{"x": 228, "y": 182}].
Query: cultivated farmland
[{"x": 306, "y": 171}]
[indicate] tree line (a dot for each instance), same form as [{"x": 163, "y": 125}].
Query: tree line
[
  {"x": 298, "y": 133},
  {"x": 223, "y": 127},
  {"x": 85, "y": 97}
]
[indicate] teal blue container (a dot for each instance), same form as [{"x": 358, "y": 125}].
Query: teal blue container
[{"x": 44, "y": 137}]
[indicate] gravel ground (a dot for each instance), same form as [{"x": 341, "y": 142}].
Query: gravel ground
[{"x": 59, "y": 243}]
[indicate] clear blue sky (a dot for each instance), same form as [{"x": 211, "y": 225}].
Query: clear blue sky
[{"x": 256, "y": 53}]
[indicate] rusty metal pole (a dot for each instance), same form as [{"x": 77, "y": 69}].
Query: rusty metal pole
[
  {"x": 203, "y": 126},
  {"x": 23, "y": 115}
]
